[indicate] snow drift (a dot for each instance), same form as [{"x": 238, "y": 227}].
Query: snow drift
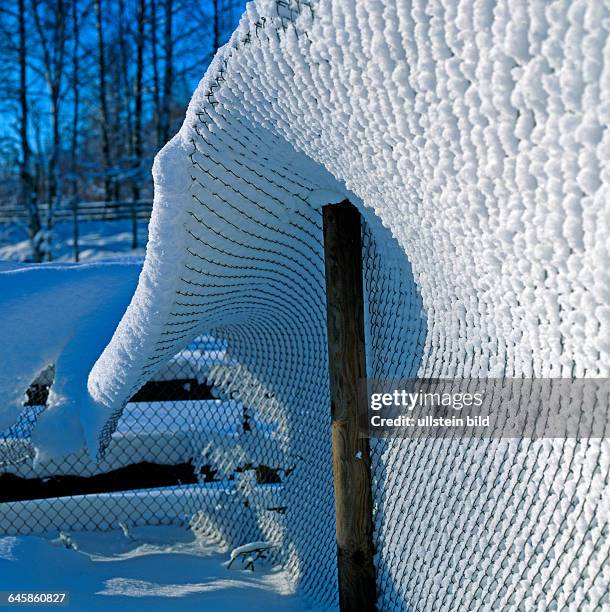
[{"x": 59, "y": 315}]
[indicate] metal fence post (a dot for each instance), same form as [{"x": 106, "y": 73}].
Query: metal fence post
[{"x": 347, "y": 367}]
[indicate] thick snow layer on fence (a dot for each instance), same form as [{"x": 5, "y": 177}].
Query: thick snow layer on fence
[{"x": 473, "y": 137}]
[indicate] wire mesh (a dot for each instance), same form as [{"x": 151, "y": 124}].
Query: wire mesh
[{"x": 477, "y": 524}]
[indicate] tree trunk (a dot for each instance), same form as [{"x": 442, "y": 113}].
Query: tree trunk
[
  {"x": 103, "y": 101},
  {"x": 125, "y": 129},
  {"x": 54, "y": 180},
  {"x": 137, "y": 128},
  {"x": 155, "y": 67},
  {"x": 75, "y": 118},
  {"x": 27, "y": 185},
  {"x": 168, "y": 73},
  {"x": 216, "y": 39},
  {"x": 52, "y": 43}
]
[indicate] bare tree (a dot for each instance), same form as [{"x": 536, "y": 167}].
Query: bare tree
[
  {"x": 126, "y": 130},
  {"x": 137, "y": 128},
  {"x": 216, "y": 29},
  {"x": 168, "y": 49},
  {"x": 28, "y": 194},
  {"x": 106, "y": 159},
  {"x": 52, "y": 36},
  {"x": 75, "y": 123},
  {"x": 154, "y": 41}
]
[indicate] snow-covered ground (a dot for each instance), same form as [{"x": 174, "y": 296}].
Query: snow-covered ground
[
  {"x": 143, "y": 568},
  {"x": 97, "y": 240},
  {"x": 58, "y": 314}
]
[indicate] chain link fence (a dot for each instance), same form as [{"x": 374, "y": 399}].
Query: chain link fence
[
  {"x": 470, "y": 523},
  {"x": 157, "y": 444}
]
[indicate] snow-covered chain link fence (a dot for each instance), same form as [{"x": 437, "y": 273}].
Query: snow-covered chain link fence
[
  {"x": 473, "y": 137},
  {"x": 158, "y": 441}
]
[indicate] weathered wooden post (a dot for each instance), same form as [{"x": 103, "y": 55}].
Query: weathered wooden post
[{"x": 347, "y": 367}]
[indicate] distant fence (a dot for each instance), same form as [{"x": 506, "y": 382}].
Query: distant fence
[{"x": 84, "y": 211}]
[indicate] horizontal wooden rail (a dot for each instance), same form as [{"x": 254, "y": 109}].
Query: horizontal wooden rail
[{"x": 85, "y": 211}]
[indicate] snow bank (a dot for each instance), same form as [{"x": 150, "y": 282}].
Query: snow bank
[
  {"x": 64, "y": 315},
  {"x": 104, "y": 511},
  {"x": 97, "y": 240},
  {"x": 473, "y": 136}
]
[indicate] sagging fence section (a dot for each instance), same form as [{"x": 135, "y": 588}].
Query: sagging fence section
[
  {"x": 155, "y": 447},
  {"x": 202, "y": 443},
  {"x": 185, "y": 452}
]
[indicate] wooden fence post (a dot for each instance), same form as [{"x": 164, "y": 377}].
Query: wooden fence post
[
  {"x": 134, "y": 225},
  {"x": 347, "y": 367},
  {"x": 75, "y": 231}
]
